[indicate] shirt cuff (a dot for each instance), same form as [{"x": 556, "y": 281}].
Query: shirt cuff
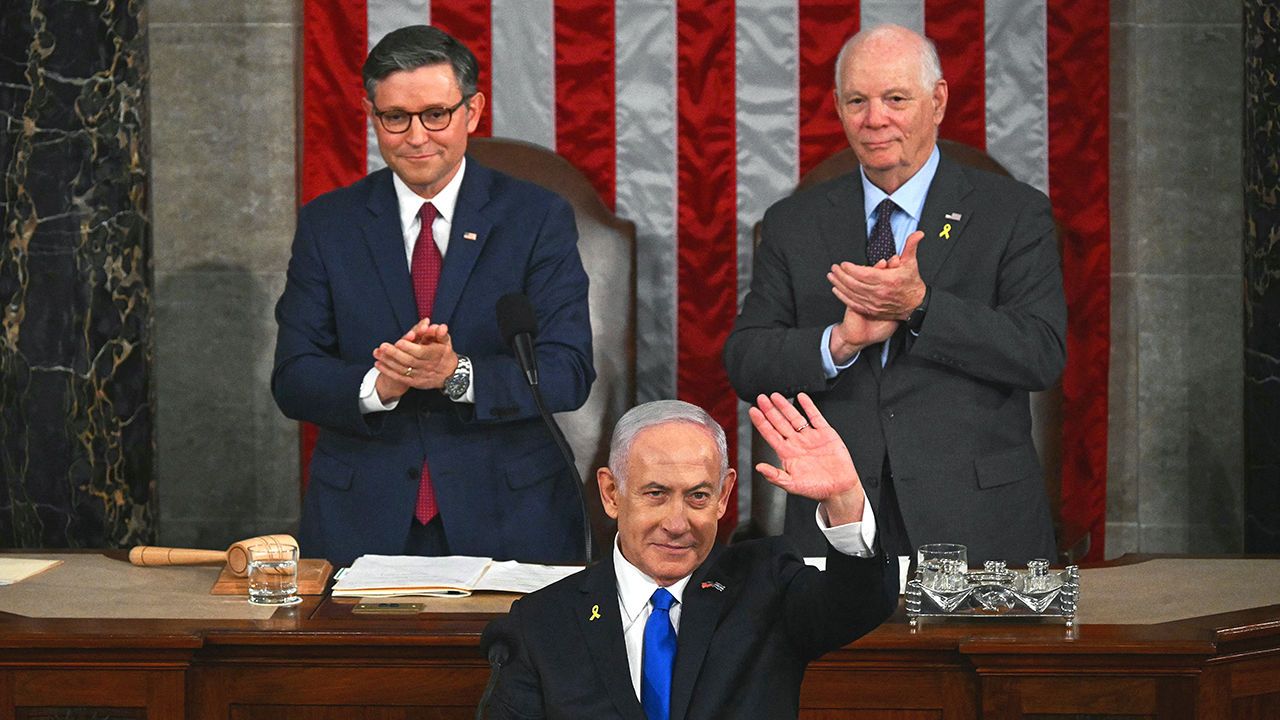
[
  {"x": 855, "y": 538},
  {"x": 829, "y": 366},
  {"x": 369, "y": 400}
]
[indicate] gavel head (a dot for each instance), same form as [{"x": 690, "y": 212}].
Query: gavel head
[{"x": 238, "y": 553}]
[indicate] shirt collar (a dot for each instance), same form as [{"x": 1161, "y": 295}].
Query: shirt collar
[
  {"x": 909, "y": 198},
  {"x": 635, "y": 588},
  {"x": 445, "y": 201}
]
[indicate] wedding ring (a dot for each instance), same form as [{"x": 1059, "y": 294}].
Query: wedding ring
[
  {"x": 408, "y": 372},
  {"x": 802, "y": 427}
]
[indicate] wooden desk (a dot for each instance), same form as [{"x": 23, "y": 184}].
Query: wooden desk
[{"x": 317, "y": 661}]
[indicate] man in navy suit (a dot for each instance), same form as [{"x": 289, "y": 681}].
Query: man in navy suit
[
  {"x": 668, "y": 627},
  {"x": 429, "y": 440}
]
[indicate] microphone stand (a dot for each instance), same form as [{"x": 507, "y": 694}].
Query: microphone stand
[{"x": 567, "y": 454}]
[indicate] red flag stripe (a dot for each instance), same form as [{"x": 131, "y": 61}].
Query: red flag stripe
[
  {"x": 956, "y": 27},
  {"x": 823, "y": 27},
  {"x": 706, "y": 181},
  {"x": 469, "y": 21},
  {"x": 1078, "y": 48},
  {"x": 333, "y": 124},
  {"x": 585, "y": 124}
]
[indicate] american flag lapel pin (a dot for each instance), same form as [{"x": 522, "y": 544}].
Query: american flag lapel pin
[
  {"x": 954, "y": 216},
  {"x": 716, "y": 585},
  {"x": 468, "y": 236}
]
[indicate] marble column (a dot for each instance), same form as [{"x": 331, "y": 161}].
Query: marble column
[
  {"x": 76, "y": 404},
  {"x": 1262, "y": 275}
]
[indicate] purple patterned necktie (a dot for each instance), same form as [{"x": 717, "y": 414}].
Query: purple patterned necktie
[{"x": 880, "y": 245}]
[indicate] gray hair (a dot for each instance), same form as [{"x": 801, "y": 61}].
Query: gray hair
[
  {"x": 930, "y": 65},
  {"x": 661, "y": 412},
  {"x": 415, "y": 46}
]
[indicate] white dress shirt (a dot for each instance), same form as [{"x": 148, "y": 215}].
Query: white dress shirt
[
  {"x": 410, "y": 204},
  {"x": 635, "y": 588}
]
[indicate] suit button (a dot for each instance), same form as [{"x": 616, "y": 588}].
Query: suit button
[{"x": 889, "y": 414}]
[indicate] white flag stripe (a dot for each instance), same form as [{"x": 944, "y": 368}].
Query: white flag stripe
[
  {"x": 381, "y": 17},
  {"x": 1017, "y": 88},
  {"x": 907, "y": 13},
  {"x": 766, "y": 39},
  {"x": 524, "y": 75},
  {"x": 645, "y": 123}
]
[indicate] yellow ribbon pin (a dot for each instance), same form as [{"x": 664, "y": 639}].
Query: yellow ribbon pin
[
  {"x": 595, "y": 613},
  {"x": 946, "y": 232}
]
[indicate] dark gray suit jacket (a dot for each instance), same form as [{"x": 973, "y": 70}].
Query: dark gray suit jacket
[
  {"x": 951, "y": 408},
  {"x": 753, "y": 617}
]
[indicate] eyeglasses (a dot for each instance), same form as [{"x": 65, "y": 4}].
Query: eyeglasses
[{"x": 433, "y": 118}]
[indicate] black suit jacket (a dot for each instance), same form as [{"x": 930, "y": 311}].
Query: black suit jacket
[
  {"x": 951, "y": 409},
  {"x": 741, "y": 651}
]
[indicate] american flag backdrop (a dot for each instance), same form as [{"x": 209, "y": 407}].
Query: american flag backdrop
[{"x": 692, "y": 116}]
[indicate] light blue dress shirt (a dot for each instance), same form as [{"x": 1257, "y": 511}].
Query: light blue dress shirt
[{"x": 910, "y": 201}]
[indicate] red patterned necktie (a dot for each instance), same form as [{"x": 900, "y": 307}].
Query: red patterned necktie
[{"x": 425, "y": 269}]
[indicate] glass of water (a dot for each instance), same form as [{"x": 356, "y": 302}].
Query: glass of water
[
  {"x": 943, "y": 566},
  {"x": 273, "y": 575}
]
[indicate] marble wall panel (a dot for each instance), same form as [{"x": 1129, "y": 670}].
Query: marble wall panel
[
  {"x": 223, "y": 103},
  {"x": 227, "y": 12},
  {"x": 224, "y": 136},
  {"x": 1262, "y": 268},
  {"x": 76, "y": 441},
  {"x": 1186, "y": 123},
  {"x": 1122, "y": 448},
  {"x": 227, "y": 455},
  {"x": 1190, "y": 450},
  {"x": 1174, "y": 467}
]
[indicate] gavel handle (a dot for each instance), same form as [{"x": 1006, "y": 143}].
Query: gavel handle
[{"x": 150, "y": 555}]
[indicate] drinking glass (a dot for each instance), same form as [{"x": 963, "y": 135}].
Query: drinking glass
[
  {"x": 273, "y": 575},
  {"x": 943, "y": 566}
]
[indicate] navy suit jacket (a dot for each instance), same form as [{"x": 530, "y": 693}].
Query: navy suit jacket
[
  {"x": 753, "y": 615},
  {"x": 951, "y": 409},
  {"x": 502, "y": 488}
]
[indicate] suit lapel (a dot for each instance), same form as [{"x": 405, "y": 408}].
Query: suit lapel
[
  {"x": 844, "y": 229},
  {"x": 385, "y": 239},
  {"x": 466, "y": 240},
  {"x": 699, "y": 617},
  {"x": 600, "y": 622},
  {"x": 946, "y": 213}
]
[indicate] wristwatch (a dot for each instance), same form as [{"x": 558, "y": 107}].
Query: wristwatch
[
  {"x": 916, "y": 318},
  {"x": 456, "y": 385}
]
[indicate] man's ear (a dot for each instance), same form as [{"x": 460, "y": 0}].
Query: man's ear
[
  {"x": 726, "y": 490},
  {"x": 939, "y": 101},
  {"x": 368, "y": 106},
  {"x": 475, "y": 108},
  {"x": 608, "y": 491}
]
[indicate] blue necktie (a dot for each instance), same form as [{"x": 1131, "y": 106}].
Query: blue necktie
[{"x": 658, "y": 657}]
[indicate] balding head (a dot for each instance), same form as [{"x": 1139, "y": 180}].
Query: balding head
[
  {"x": 897, "y": 39},
  {"x": 891, "y": 97}
]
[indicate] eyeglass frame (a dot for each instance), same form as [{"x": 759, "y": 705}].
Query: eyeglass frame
[{"x": 451, "y": 110}]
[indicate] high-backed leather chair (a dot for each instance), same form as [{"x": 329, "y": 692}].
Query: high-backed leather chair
[
  {"x": 607, "y": 244},
  {"x": 1046, "y": 406}
]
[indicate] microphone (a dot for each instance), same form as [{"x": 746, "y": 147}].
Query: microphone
[{"x": 518, "y": 326}]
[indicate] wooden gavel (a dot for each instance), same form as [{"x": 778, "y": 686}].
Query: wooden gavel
[{"x": 236, "y": 557}]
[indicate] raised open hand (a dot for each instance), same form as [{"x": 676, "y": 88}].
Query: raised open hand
[{"x": 815, "y": 461}]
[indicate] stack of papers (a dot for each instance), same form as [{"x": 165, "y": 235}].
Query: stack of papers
[
  {"x": 13, "y": 570},
  {"x": 451, "y": 576}
]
